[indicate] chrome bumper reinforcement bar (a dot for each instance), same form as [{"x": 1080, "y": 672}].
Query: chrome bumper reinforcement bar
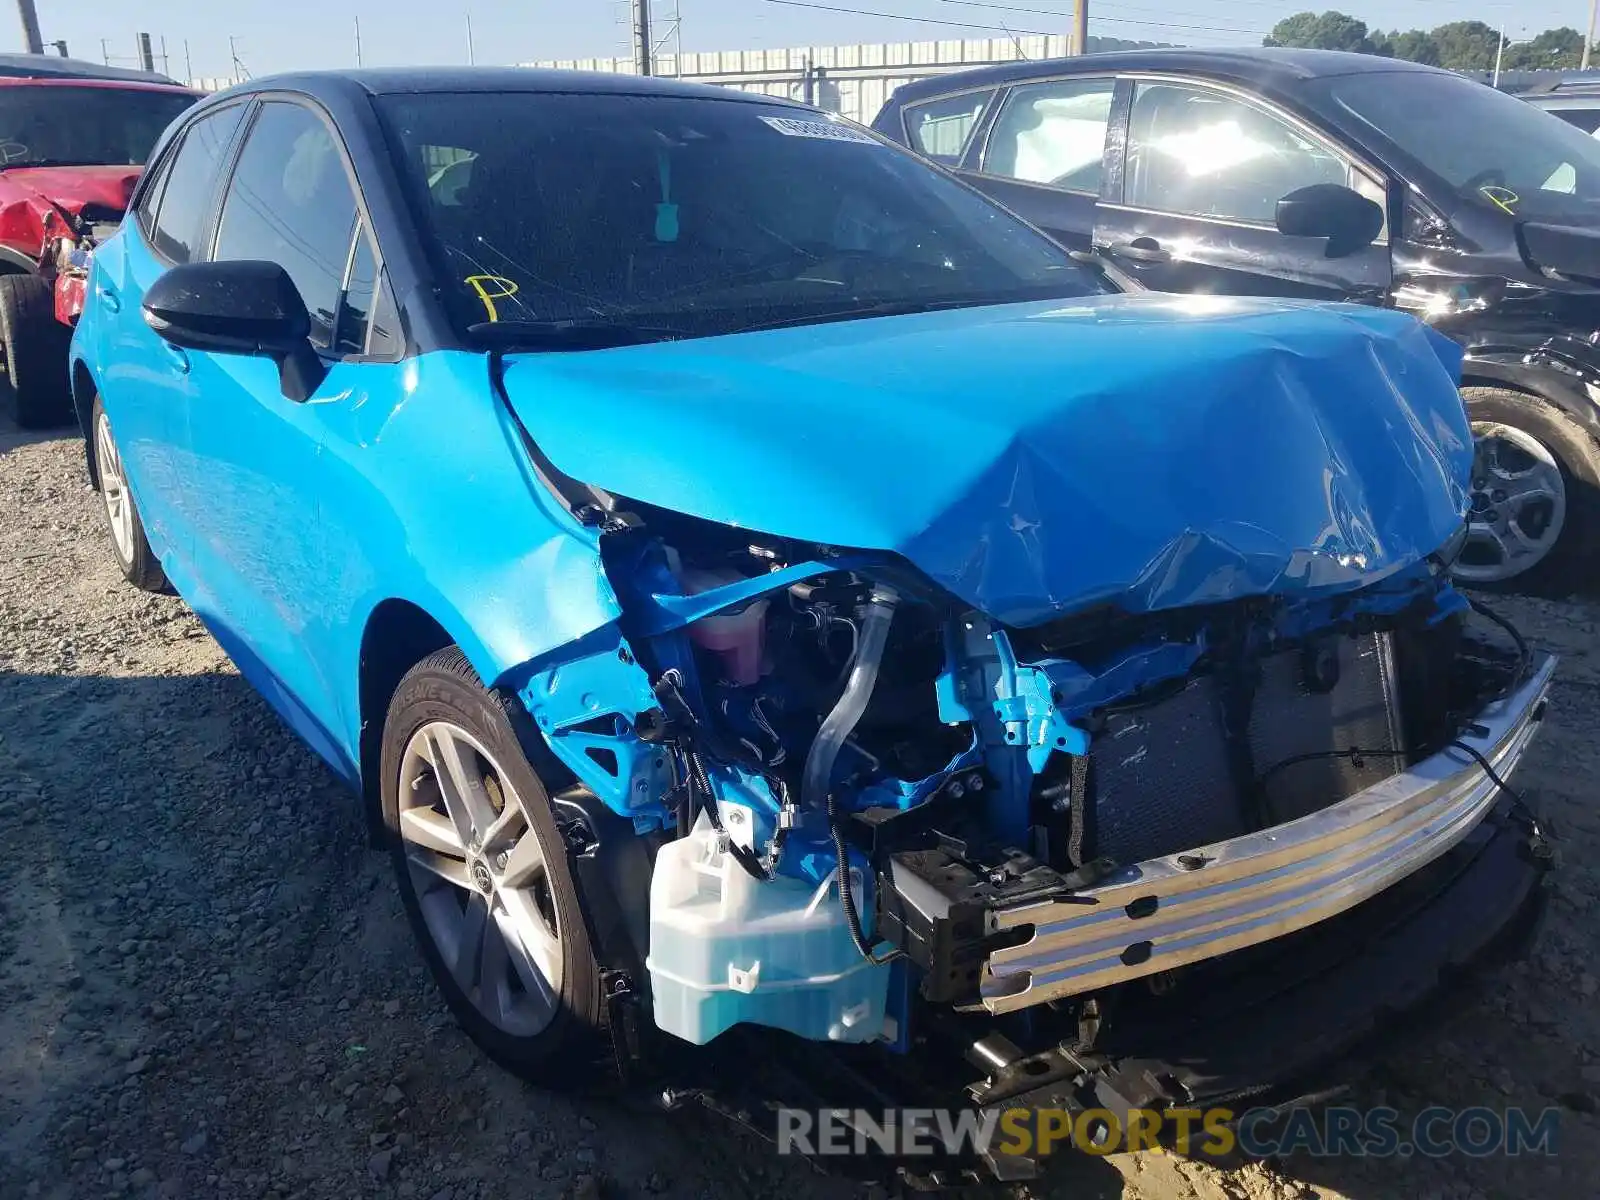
[{"x": 1167, "y": 912}]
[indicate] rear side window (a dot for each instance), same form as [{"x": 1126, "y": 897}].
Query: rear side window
[
  {"x": 942, "y": 129},
  {"x": 186, "y": 192},
  {"x": 1052, "y": 133},
  {"x": 290, "y": 202},
  {"x": 150, "y": 198}
]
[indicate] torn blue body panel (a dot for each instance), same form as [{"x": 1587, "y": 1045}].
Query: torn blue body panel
[{"x": 1148, "y": 451}]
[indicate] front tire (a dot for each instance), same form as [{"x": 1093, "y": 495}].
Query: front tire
[
  {"x": 35, "y": 345},
  {"x": 130, "y": 547},
  {"x": 485, "y": 878},
  {"x": 1535, "y": 520}
]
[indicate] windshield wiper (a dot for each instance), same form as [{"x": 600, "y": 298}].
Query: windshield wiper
[{"x": 568, "y": 335}]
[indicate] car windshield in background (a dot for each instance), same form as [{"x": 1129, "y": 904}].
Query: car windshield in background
[
  {"x": 48, "y": 126},
  {"x": 613, "y": 218},
  {"x": 1492, "y": 148}
]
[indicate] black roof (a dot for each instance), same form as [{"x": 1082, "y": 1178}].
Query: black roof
[
  {"x": 49, "y": 66},
  {"x": 1259, "y": 65},
  {"x": 410, "y": 80}
]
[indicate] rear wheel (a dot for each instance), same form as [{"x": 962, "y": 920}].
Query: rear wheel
[
  {"x": 35, "y": 346},
  {"x": 484, "y": 875},
  {"x": 136, "y": 560},
  {"x": 1535, "y": 519}
]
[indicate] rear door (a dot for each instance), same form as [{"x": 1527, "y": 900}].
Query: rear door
[
  {"x": 1193, "y": 209},
  {"x": 1043, "y": 154},
  {"x": 141, "y": 384}
]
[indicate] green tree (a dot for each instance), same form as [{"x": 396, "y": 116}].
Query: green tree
[
  {"x": 1467, "y": 45},
  {"x": 1554, "y": 48},
  {"x": 1415, "y": 45},
  {"x": 1321, "y": 31}
]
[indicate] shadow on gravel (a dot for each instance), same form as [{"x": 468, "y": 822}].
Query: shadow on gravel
[
  {"x": 12, "y": 437},
  {"x": 207, "y": 989}
]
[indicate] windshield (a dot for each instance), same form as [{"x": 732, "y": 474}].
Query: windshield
[
  {"x": 81, "y": 126},
  {"x": 683, "y": 217},
  {"x": 1490, "y": 147}
]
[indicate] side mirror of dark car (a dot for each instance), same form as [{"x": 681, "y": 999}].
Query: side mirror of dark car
[
  {"x": 1343, "y": 215},
  {"x": 244, "y": 307}
]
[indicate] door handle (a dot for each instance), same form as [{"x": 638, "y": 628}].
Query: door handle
[
  {"x": 109, "y": 298},
  {"x": 1142, "y": 249},
  {"x": 178, "y": 357}
]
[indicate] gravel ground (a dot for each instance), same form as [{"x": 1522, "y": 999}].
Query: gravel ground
[{"x": 207, "y": 989}]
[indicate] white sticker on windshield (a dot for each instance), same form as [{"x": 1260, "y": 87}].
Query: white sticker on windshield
[{"x": 827, "y": 130}]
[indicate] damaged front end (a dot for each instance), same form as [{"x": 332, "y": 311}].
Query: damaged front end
[{"x": 924, "y": 792}]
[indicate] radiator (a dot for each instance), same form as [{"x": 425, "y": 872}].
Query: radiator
[{"x": 1160, "y": 779}]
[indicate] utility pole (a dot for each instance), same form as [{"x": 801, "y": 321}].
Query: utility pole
[
  {"x": 472, "y": 58},
  {"x": 240, "y": 71},
  {"x": 188, "y": 67},
  {"x": 1594, "y": 11},
  {"x": 1080, "y": 26},
  {"x": 641, "y": 37},
  {"x": 30, "y": 26},
  {"x": 164, "y": 69},
  {"x": 358, "y": 41}
]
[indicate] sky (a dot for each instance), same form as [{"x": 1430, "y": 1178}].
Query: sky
[{"x": 277, "y": 35}]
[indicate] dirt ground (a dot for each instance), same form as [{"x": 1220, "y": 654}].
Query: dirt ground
[{"x": 207, "y": 990}]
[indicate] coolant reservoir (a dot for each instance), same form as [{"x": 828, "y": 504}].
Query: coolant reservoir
[
  {"x": 727, "y": 948},
  {"x": 739, "y": 638}
]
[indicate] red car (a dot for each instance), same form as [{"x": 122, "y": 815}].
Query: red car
[{"x": 73, "y": 139}]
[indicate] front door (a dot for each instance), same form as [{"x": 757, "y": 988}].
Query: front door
[
  {"x": 1194, "y": 210},
  {"x": 253, "y": 454}
]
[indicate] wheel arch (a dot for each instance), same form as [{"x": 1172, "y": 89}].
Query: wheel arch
[
  {"x": 398, "y": 635},
  {"x": 84, "y": 391},
  {"x": 1541, "y": 380}
]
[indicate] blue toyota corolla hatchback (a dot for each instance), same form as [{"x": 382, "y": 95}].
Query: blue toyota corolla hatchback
[{"x": 755, "y": 580}]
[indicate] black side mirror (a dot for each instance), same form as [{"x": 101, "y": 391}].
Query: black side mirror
[
  {"x": 245, "y": 307},
  {"x": 1330, "y": 210}
]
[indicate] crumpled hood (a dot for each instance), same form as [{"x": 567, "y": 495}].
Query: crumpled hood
[
  {"x": 1154, "y": 451},
  {"x": 70, "y": 188}
]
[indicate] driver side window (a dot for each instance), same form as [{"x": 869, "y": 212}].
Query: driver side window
[
  {"x": 1201, "y": 153},
  {"x": 1052, "y": 133}
]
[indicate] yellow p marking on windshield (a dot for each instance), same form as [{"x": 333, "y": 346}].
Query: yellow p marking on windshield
[
  {"x": 1504, "y": 197},
  {"x": 502, "y": 288}
]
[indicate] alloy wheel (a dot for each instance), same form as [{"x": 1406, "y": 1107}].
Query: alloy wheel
[
  {"x": 1519, "y": 505},
  {"x": 114, "y": 489},
  {"x": 481, "y": 878}
]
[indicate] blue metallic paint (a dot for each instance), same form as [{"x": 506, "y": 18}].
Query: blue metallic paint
[
  {"x": 1031, "y": 459},
  {"x": 1153, "y": 451}
]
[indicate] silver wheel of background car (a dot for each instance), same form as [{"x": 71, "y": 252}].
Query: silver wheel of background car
[
  {"x": 114, "y": 489},
  {"x": 481, "y": 879},
  {"x": 1519, "y": 505}
]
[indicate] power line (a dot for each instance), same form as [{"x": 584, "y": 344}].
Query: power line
[
  {"x": 1096, "y": 16},
  {"x": 862, "y": 12}
]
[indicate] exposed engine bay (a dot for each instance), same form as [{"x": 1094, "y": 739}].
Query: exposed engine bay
[{"x": 987, "y": 786}]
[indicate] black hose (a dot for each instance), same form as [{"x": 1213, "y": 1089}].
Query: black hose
[{"x": 852, "y": 918}]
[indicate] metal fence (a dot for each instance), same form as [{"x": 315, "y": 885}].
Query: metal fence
[{"x": 853, "y": 81}]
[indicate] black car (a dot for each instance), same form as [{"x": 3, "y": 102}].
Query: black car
[
  {"x": 1339, "y": 177},
  {"x": 1574, "y": 98}
]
